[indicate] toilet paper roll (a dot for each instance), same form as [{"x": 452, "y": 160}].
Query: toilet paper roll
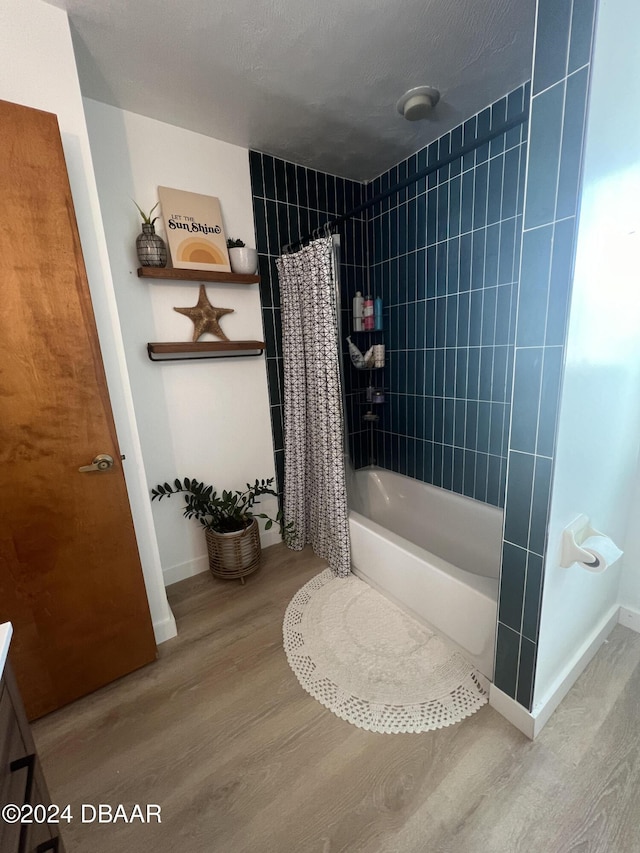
[{"x": 605, "y": 553}]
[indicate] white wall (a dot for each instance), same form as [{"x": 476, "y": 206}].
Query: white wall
[
  {"x": 630, "y": 584},
  {"x": 39, "y": 70},
  {"x": 599, "y": 429},
  {"x": 204, "y": 419}
]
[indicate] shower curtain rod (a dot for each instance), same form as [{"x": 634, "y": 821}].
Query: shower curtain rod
[{"x": 328, "y": 227}]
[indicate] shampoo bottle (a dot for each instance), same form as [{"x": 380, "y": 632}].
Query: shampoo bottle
[
  {"x": 367, "y": 314},
  {"x": 377, "y": 314},
  {"x": 357, "y": 312}
]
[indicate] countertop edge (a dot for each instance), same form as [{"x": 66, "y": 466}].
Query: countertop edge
[{"x": 6, "y": 630}]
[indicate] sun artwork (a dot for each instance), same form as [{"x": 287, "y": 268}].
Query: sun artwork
[
  {"x": 195, "y": 231},
  {"x": 196, "y": 251}
]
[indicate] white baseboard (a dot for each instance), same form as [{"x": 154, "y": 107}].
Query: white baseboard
[
  {"x": 630, "y": 618},
  {"x": 185, "y": 570},
  {"x": 532, "y": 723},
  {"x": 545, "y": 707},
  {"x": 513, "y": 711},
  {"x": 190, "y": 568},
  {"x": 165, "y": 630},
  {"x": 269, "y": 537}
]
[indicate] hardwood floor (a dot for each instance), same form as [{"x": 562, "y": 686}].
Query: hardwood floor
[{"x": 219, "y": 733}]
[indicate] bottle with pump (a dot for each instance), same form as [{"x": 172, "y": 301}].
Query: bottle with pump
[
  {"x": 358, "y": 312},
  {"x": 367, "y": 314}
]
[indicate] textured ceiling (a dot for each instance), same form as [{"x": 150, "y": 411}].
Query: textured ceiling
[{"x": 315, "y": 83}]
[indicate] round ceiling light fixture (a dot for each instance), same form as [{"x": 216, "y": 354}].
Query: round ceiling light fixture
[{"x": 417, "y": 103}]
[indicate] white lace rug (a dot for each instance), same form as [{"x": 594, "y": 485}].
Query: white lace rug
[{"x": 371, "y": 663}]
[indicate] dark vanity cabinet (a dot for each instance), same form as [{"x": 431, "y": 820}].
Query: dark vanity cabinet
[{"x": 21, "y": 780}]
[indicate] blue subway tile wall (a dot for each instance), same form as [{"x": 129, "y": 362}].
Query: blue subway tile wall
[
  {"x": 564, "y": 35},
  {"x": 444, "y": 257},
  {"x": 475, "y": 276},
  {"x": 289, "y": 201}
]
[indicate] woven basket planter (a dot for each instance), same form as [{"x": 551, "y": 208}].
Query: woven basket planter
[{"x": 234, "y": 555}]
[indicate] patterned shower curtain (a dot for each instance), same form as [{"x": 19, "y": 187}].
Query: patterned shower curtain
[{"x": 315, "y": 497}]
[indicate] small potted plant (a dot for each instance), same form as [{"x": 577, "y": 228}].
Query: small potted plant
[
  {"x": 230, "y": 524},
  {"x": 244, "y": 261},
  {"x": 150, "y": 247}
]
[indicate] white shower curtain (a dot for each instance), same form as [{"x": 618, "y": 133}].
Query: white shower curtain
[{"x": 315, "y": 498}]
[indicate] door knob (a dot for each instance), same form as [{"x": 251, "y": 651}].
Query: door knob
[{"x": 102, "y": 462}]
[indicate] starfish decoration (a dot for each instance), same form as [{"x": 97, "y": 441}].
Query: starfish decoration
[{"x": 205, "y": 316}]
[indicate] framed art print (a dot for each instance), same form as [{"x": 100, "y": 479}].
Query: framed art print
[{"x": 193, "y": 224}]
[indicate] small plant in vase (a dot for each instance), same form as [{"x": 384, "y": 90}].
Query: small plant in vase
[
  {"x": 244, "y": 261},
  {"x": 229, "y": 522},
  {"x": 151, "y": 248}
]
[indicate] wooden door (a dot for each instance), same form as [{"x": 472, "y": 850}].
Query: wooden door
[{"x": 70, "y": 575}]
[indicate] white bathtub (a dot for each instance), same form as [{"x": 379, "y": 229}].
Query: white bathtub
[{"x": 432, "y": 552}]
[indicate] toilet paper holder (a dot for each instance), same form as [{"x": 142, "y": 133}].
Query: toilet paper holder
[{"x": 579, "y": 529}]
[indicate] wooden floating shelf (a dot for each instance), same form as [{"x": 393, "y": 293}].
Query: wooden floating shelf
[
  {"x": 170, "y": 274},
  {"x": 176, "y": 350}
]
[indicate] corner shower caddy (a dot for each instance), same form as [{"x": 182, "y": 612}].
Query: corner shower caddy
[
  {"x": 178, "y": 350},
  {"x": 373, "y": 396}
]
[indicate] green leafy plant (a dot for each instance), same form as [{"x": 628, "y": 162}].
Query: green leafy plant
[
  {"x": 235, "y": 244},
  {"x": 227, "y": 512},
  {"x": 146, "y": 217}
]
